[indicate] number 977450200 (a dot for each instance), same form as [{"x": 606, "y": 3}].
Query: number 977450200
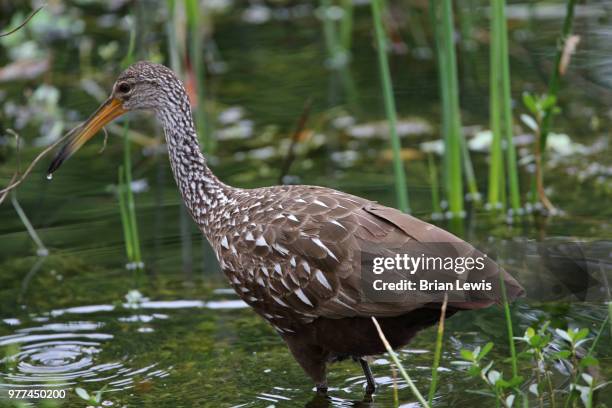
[{"x": 36, "y": 394}]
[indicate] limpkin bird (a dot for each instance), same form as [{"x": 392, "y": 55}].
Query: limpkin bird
[{"x": 290, "y": 252}]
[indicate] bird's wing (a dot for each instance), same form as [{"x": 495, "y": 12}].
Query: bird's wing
[{"x": 315, "y": 249}]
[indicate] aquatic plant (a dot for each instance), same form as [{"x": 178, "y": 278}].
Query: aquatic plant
[
  {"x": 509, "y": 327},
  {"x": 128, "y": 218},
  {"x": 194, "y": 22},
  {"x": 555, "y": 78},
  {"x": 537, "y": 107},
  {"x": 546, "y": 113},
  {"x": 401, "y": 189},
  {"x": 94, "y": 398},
  {"x": 438, "y": 352},
  {"x": 501, "y": 117},
  {"x": 337, "y": 32},
  {"x": 477, "y": 367},
  {"x": 127, "y": 208},
  {"x": 435, "y": 188},
  {"x": 399, "y": 365},
  {"x": 346, "y": 25},
  {"x": 41, "y": 250},
  {"x": 454, "y": 159},
  {"x": 544, "y": 348}
]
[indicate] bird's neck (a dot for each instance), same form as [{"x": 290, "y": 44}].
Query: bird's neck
[{"x": 203, "y": 193}]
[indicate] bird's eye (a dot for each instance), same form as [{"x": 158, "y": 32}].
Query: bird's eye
[{"x": 124, "y": 87}]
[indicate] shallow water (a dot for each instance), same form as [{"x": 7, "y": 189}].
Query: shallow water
[{"x": 174, "y": 335}]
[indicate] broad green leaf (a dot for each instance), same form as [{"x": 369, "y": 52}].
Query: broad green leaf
[
  {"x": 588, "y": 361},
  {"x": 562, "y": 355},
  {"x": 515, "y": 381},
  {"x": 529, "y": 102},
  {"x": 474, "y": 371},
  {"x": 548, "y": 102},
  {"x": 467, "y": 355},
  {"x": 535, "y": 341},
  {"x": 485, "y": 350},
  {"x": 581, "y": 334}
]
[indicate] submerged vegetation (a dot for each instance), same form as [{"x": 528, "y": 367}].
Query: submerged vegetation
[{"x": 248, "y": 88}]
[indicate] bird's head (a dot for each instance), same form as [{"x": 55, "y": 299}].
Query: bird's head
[{"x": 142, "y": 86}]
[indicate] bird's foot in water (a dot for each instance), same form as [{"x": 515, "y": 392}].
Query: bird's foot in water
[
  {"x": 370, "y": 389},
  {"x": 370, "y": 381},
  {"x": 322, "y": 388}
]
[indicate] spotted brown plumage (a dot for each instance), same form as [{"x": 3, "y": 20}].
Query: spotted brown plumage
[{"x": 293, "y": 253}]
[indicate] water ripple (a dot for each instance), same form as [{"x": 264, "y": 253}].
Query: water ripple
[
  {"x": 61, "y": 354},
  {"x": 64, "y": 353}
]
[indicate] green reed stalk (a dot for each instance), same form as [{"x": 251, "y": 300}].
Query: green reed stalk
[
  {"x": 509, "y": 327},
  {"x": 496, "y": 169},
  {"x": 438, "y": 352},
  {"x": 129, "y": 198},
  {"x": 398, "y": 167},
  {"x": 41, "y": 249},
  {"x": 338, "y": 39},
  {"x": 453, "y": 140},
  {"x": 395, "y": 390},
  {"x": 442, "y": 85},
  {"x": 329, "y": 33},
  {"x": 468, "y": 169},
  {"x": 610, "y": 315},
  {"x": 399, "y": 365},
  {"x": 510, "y": 332},
  {"x": 346, "y": 25},
  {"x": 173, "y": 45},
  {"x": 126, "y": 197},
  {"x": 435, "y": 188},
  {"x": 466, "y": 16},
  {"x": 506, "y": 98},
  {"x": 448, "y": 117},
  {"x": 194, "y": 22},
  {"x": 123, "y": 211}
]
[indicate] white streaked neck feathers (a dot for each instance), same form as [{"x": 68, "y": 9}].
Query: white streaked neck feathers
[{"x": 203, "y": 193}]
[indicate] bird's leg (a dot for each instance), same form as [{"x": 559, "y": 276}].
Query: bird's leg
[
  {"x": 322, "y": 388},
  {"x": 371, "y": 387},
  {"x": 312, "y": 359}
]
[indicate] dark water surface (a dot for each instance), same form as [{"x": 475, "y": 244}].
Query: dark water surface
[{"x": 175, "y": 335}]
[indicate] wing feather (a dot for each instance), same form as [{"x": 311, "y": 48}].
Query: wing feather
[{"x": 325, "y": 233}]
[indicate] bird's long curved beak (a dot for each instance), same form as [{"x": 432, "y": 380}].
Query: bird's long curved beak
[{"x": 109, "y": 110}]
